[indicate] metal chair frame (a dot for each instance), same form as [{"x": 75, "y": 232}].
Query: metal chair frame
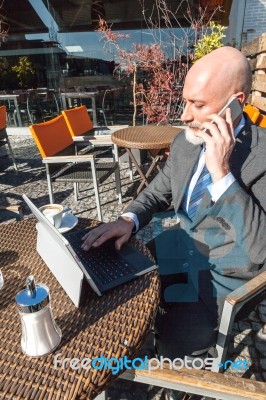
[
  {"x": 4, "y": 140},
  {"x": 12, "y": 210},
  {"x": 63, "y": 164}
]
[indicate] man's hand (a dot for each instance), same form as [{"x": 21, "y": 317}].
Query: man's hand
[
  {"x": 120, "y": 229},
  {"x": 219, "y": 141}
]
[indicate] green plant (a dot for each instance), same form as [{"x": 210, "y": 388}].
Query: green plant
[
  {"x": 24, "y": 70},
  {"x": 210, "y": 41}
]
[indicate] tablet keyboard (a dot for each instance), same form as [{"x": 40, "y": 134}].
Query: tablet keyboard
[{"x": 104, "y": 262}]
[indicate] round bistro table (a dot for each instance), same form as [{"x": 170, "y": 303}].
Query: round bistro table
[
  {"x": 112, "y": 325},
  {"x": 153, "y": 138}
]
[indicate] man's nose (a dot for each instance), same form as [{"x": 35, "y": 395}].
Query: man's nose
[{"x": 186, "y": 114}]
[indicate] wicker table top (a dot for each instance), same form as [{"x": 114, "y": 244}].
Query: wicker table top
[
  {"x": 113, "y": 325},
  {"x": 145, "y": 137}
]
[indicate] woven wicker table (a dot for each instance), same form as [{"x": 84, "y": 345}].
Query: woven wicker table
[
  {"x": 113, "y": 325},
  {"x": 155, "y": 139}
]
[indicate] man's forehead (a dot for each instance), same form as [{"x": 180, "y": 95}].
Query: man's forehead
[
  {"x": 199, "y": 87},
  {"x": 196, "y": 94}
]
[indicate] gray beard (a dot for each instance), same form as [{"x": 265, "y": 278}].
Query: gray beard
[{"x": 192, "y": 138}]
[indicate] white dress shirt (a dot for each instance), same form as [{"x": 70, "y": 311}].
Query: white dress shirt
[{"x": 216, "y": 189}]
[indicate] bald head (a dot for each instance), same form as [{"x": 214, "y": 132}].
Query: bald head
[
  {"x": 210, "y": 83},
  {"x": 224, "y": 71}
]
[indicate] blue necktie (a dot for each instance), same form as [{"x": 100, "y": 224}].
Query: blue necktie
[{"x": 200, "y": 188}]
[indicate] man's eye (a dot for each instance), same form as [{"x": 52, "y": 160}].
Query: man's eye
[{"x": 198, "y": 105}]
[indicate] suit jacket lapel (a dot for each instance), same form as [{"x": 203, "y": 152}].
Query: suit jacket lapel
[
  {"x": 242, "y": 154},
  {"x": 185, "y": 170}
]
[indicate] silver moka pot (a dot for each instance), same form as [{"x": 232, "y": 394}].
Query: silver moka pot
[{"x": 40, "y": 334}]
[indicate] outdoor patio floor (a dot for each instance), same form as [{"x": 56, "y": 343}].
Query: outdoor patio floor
[{"x": 31, "y": 180}]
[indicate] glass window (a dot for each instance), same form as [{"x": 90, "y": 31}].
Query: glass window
[{"x": 53, "y": 58}]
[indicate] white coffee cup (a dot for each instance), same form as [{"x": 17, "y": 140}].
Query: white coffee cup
[{"x": 54, "y": 213}]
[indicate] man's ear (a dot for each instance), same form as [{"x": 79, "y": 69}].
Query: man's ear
[{"x": 241, "y": 98}]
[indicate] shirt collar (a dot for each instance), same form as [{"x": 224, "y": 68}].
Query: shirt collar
[{"x": 240, "y": 126}]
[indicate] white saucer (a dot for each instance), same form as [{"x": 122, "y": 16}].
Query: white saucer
[{"x": 69, "y": 221}]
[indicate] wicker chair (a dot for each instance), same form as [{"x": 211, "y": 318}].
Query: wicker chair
[
  {"x": 63, "y": 164},
  {"x": 3, "y": 134}
]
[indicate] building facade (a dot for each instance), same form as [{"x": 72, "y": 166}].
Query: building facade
[{"x": 247, "y": 21}]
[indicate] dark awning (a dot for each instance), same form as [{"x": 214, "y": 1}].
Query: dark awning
[
  {"x": 83, "y": 15},
  {"x": 21, "y": 18}
]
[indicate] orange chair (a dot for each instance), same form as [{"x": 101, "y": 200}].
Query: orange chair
[
  {"x": 58, "y": 151},
  {"x": 255, "y": 115},
  {"x": 262, "y": 121},
  {"x": 80, "y": 124},
  {"x": 78, "y": 121},
  {"x": 3, "y": 134}
]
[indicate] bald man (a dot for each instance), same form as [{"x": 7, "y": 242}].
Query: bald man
[{"x": 221, "y": 244}]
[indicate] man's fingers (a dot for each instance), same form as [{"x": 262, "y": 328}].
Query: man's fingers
[
  {"x": 224, "y": 125},
  {"x": 204, "y": 135},
  {"x": 120, "y": 229},
  {"x": 119, "y": 242},
  {"x": 95, "y": 232},
  {"x": 103, "y": 238},
  {"x": 96, "y": 240},
  {"x": 93, "y": 236},
  {"x": 90, "y": 238},
  {"x": 217, "y": 128}
]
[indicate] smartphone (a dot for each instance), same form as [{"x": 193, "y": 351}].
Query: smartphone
[{"x": 235, "y": 108}]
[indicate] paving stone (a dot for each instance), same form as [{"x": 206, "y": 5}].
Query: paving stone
[
  {"x": 251, "y": 356},
  {"x": 257, "y": 376},
  {"x": 244, "y": 325},
  {"x": 263, "y": 363},
  {"x": 262, "y": 311},
  {"x": 235, "y": 373},
  {"x": 244, "y": 337},
  {"x": 254, "y": 317},
  {"x": 235, "y": 329},
  {"x": 235, "y": 348},
  {"x": 256, "y": 326},
  {"x": 260, "y": 342}
]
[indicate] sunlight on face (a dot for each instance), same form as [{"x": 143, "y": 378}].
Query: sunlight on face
[{"x": 191, "y": 131}]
